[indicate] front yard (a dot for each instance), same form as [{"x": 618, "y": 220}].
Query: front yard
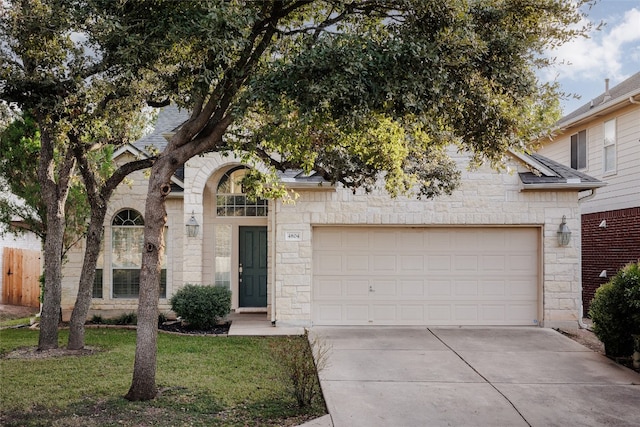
[{"x": 222, "y": 381}]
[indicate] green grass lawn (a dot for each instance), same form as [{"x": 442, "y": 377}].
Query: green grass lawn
[{"x": 225, "y": 381}]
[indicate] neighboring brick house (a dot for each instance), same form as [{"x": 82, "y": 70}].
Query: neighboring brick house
[
  {"x": 602, "y": 139},
  {"x": 486, "y": 255}
]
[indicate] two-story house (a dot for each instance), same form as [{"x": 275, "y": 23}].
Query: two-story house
[{"x": 602, "y": 139}]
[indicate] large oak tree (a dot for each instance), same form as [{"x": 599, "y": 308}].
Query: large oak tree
[{"x": 355, "y": 90}]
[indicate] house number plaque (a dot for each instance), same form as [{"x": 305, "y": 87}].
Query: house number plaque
[{"x": 293, "y": 236}]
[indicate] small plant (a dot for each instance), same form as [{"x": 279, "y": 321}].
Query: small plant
[
  {"x": 130, "y": 318},
  {"x": 202, "y": 307},
  {"x": 302, "y": 359},
  {"x": 615, "y": 311},
  {"x": 162, "y": 317},
  {"x": 97, "y": 319}
]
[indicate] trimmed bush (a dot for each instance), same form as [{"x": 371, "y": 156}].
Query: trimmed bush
[
  {"x": 202, "y": 306},
  {"x": 615, "y": 311}
]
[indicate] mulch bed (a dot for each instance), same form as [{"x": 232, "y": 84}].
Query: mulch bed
[{"x": 178, "y": 327}]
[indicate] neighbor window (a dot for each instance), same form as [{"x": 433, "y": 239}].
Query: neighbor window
[
  {"x": 579, "y": 150},
  {"x": 609, "y": 146},
  {"x": 230, "y": 197},
  {"x": 127, "y": 243}
]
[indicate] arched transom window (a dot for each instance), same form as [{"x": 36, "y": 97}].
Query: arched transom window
[{"x": 231, "y": 200}]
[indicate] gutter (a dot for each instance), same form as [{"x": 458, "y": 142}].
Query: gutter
[{"x": 564, "y": 186}]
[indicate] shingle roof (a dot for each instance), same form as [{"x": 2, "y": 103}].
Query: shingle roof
[
  {"x": 555, "y": 175},
  {"x": 168, "y": 120},
  {"x": 628, "y": 86}
]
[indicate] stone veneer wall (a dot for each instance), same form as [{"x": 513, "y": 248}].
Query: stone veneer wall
[
  {"x": 129, "y": 195},
  {"x": 484, "y": 198}
]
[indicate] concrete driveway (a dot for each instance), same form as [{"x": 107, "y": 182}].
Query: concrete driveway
[{"x": 414, "y": 376}]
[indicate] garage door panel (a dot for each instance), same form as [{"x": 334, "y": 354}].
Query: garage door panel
[
  {"x": 412, "y": 240},
  {"x": 355, "y": 288},
  {"x": 466, "y": 263},
  {"x": 355, "y": 240},
  {"x": 328, "y": 287},
  {"x": 494, "y": 312},
  {"x": 412, "y": 314},
  {"x": 522, "y": 263},
  {"x": 425, "y": 276},
  {"x": 384, "y": 239},
  {"x": 328, "y": 263},
  {"x": 439, "y": 238},
  {"x": 493, "y": 288},
  {"x": 439, "y": 262},
  {"x": 439, "y": 314},
  {"x": 384, "y": 263},
  {"x": 523, "y": 288},
  {"x": 411, "y": 263},
  {"x": 465, "y": 313},
  {"x": 358, "y": 313},
  {"x": 493, "y": 263},
  {"x": 440, "y": 288},
  {"x": 412, "y": 288},
  {"x": 384, "y": 288},
  {"x": 356, "y": 264},
  {"x": 466, "y": 288}
]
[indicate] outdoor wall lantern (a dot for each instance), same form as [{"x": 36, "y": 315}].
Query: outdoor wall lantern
[
  {"x": 192, "y": 226},
  {"x": 564, "y": 234}
]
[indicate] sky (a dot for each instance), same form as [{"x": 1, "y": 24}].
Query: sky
[{"x": 613, "y": 52}]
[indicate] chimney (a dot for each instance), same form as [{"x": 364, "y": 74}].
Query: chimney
[{"x": 607, "y": 95}]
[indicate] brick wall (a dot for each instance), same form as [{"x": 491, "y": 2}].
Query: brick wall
[{"x": 607, "y": 248}]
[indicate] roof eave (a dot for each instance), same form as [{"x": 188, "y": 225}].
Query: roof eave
[
  {"x": 600, "y": 110},
  {"x": 564, "y": 186},
  {"x": 317, "y": 186}
]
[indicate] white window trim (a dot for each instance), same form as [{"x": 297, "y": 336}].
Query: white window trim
[{"x": 614, "y": 143}]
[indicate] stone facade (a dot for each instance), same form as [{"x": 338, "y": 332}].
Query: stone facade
[{"x": 485, "y": 198}]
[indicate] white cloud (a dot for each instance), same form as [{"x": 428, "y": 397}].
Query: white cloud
[{"x": 604, "y": 54}]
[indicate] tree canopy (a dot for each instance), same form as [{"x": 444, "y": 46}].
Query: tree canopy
[
  {"x": 76, "y": 105},
  {"x": 357, "y": 91}
]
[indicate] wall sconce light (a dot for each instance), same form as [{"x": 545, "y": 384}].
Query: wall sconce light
[
  {"x": 192, "y": 226},
  {"x": 564, "y": 234}
]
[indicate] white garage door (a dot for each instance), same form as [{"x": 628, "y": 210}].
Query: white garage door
[{"x": 425, "y": 276}]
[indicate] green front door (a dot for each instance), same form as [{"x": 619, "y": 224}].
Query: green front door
[{"x": 253, "y": 267}]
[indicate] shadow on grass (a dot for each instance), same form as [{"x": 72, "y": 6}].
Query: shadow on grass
[{"x": 174, "y": 406}]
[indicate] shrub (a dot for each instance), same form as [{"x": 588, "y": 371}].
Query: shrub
[
  {"x": 202, "y": 306},
  {"x": 130, "y": 318},
  {"x": 615, "y": 311},
  {"x": 97, "y": 319},
  {"x": 301, "y": 361}
]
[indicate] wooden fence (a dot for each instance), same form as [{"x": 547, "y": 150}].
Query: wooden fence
[{"x": 21, "y": 271}]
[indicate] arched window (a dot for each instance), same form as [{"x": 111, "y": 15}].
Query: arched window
[
  {"x": 127, "y": 243},
  {"x": 230, "y": 197}
]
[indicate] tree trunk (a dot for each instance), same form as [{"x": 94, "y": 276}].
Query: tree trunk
[
  {"x": 50, "y": 315},
  {"x": 54, "y": 186},
  {"x": 143, "y": 386},
  {"x": 87, "y": 277}
]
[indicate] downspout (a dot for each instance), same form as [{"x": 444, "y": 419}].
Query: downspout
[
  {"x": 633, "y": 101},
  {"x": 581, "y": 324},
  {"x": 273, "y": 264}
]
